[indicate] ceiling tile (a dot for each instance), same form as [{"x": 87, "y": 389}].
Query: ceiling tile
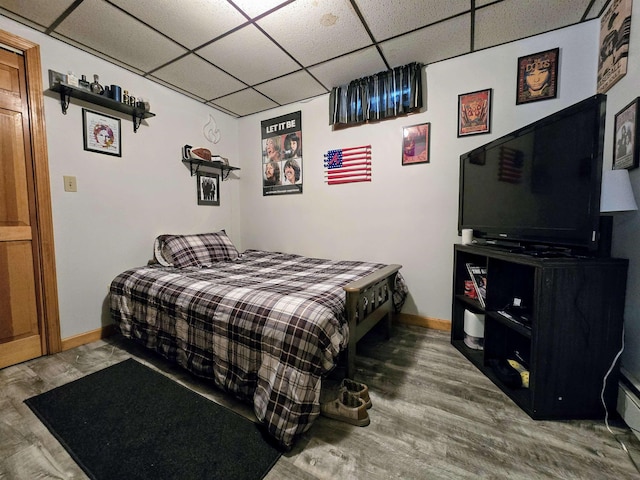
[
  {"x": 430, "y": 44},
  {"x": 120, "y": 37},
  {"x": 189, "y": 22},
  {"x": 97, "y": 53},
  {"x": 407, "y": 15},
  {"x": 45, "y": 13},
  {"x": 342, "y": 70},
  {"x": 253, "y": 8},
  {"x": 314, "y": 31},
  {"x": 244, "y": 102},
  {"x": 263, "y": 61},
  {"x": 508, "y": 21},
  {"x": 199, "y": 77},
  {"x": 294, "y": 87},
  {"x": 217, "y": 49}
]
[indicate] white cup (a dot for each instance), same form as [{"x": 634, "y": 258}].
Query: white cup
[{"x": 467, "y": 236}]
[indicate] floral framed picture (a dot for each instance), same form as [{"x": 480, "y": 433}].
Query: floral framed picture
[
  {"x": 415, "y": 144},
  {"x": 101, "y": 133},
  {"x": 538, "y": 76},
  {"x": 626, "y": 142},
  {"x": 474, "y": 112},
  {"x": 208, "y": 189}
]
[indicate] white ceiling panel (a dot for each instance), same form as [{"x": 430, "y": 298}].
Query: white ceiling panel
[
  {"x": 504, "y": 22},
  {"x": 40, "y": 12},
  {"x": 254, "y": 8},
  {"x": 429, "y": 44},
  {"x": 262, "y": 62},
  {"x": 344, "y": 69},
  {"x": 121, "y": 37},
  {"x": 191, "y": 23},
  {"x": 196, "y": 75},
  {"x": 245, "y": 102},
  {"x": 314, "y": 31},
  {"x": 293, "y": 87},
  {"x": 227, "y": 51},
  {"x": 407, "y": 15}
]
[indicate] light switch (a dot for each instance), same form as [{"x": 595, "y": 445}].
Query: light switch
[{"x": 70, "y": 184}]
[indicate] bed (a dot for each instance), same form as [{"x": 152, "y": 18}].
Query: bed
[{"x": 264, "y": 326}]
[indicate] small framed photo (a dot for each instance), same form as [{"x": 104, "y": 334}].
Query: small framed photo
[
  {"x": 474, "y": 112},
  {"x": 56, "y": 77},
  {"x": 101, "y": 133},
  {"x": 626, "y": 142},
  {"x": 415, "y": 144},
  {"x": 538, "y": 76},
  {"x": 208, "y": 189}
]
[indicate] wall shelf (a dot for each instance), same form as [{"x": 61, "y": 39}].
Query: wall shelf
[
  {"x": 197, "y": 165},
  {"x": 67, "y": 91}
]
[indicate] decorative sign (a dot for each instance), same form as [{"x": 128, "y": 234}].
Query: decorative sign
[
  {"x": 347, "y": 165},
  {"x": 282, "y": 155},
  {"x": 538, "y": 76},
  {"x": 615, "y": 30},
  {"x": 474, "y": 113}
]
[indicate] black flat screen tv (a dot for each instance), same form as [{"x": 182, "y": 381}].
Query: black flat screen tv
[{"x": 539, "y": 185}]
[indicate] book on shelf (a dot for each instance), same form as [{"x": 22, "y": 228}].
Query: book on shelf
[{"x": 478, "y": 276}]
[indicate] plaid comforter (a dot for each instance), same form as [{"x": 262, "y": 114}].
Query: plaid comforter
[{"x": 265, "y": 327}]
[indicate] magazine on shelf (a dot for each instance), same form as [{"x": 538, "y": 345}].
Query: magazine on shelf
[{"x": 478, "y": 276}]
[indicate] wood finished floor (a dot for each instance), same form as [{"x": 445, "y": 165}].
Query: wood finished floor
[{"x": 434, "y": 416}]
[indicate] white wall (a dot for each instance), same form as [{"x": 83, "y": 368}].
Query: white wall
[
  {"x": 122, "y": 204},
  {"x": 407, "y": 214},
  {"x": 626, "y": 227}
]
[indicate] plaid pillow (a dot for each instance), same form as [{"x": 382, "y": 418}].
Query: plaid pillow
[{"x": 195, "y": 250}]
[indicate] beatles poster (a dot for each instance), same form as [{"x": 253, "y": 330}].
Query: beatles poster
[
  {"x": 282, "y": 155},
  {"x": 615, "y": 30}
]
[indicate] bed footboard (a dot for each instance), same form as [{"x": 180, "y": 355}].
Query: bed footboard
[{"x": 369, "y": 300}]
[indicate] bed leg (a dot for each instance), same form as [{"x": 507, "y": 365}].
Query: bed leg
[{"x": 351, "y": 358}]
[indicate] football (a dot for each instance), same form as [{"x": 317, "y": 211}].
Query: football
[{"x": 201, "y": 153}]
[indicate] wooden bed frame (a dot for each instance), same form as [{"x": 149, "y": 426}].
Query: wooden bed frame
[{"x": 369, "y": 300}]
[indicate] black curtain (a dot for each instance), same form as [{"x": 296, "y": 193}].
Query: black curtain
[{"x": 383, "y": 95}]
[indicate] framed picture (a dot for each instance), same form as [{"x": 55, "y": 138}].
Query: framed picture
[
  {"x": 56, "y": 77},
  {"x": 626, "y": 142},
  {"x": 208, "y": 189},
  {"x": 101, "y": 133},
  {"x": 474, "y": 113},
  {"x": 615, "y": 30},
  {"x": 538, "y": 76},
  {"x": 415, "y": 144}
]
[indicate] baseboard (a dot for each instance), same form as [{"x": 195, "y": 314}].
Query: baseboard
[
  {"x": 88, "y": 337},
  {"x": 108, "y": 330},
  {"x": 426, "y": 322},
  {"x": 629, "y": 401}
]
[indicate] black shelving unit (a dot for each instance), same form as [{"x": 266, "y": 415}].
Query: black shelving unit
[
  {"x": 570, "y": 330},
  {"x": 67, "y": 92},
  {"x": 197, "y": 165}
]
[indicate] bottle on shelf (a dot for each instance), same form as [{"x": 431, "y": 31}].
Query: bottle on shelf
[
  {"x": 125, "y": 97},
  {"x": 84, "y": 83},
  {"x": 95, "y": 85}
]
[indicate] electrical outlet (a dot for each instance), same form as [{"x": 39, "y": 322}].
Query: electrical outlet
[{"x": 70, "y": 184}]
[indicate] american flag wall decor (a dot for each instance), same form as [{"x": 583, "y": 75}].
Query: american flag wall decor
[
  {"x": 510, "y": 166},
  {"x": 348, "y": 165}
]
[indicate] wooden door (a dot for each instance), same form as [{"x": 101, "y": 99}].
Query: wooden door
[{"x": 25, "y": 312}]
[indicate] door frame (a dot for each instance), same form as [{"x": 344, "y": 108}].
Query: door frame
[{"x": 46, "y": 284}]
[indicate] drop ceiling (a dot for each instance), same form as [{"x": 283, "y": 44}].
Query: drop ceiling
[{"x": 247, "y": 56}]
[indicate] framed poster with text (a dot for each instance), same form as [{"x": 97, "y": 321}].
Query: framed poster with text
[{"x": 282, "y": 155}]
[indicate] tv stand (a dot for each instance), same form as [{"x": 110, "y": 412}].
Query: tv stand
[{"x": 561, "y": 317}]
